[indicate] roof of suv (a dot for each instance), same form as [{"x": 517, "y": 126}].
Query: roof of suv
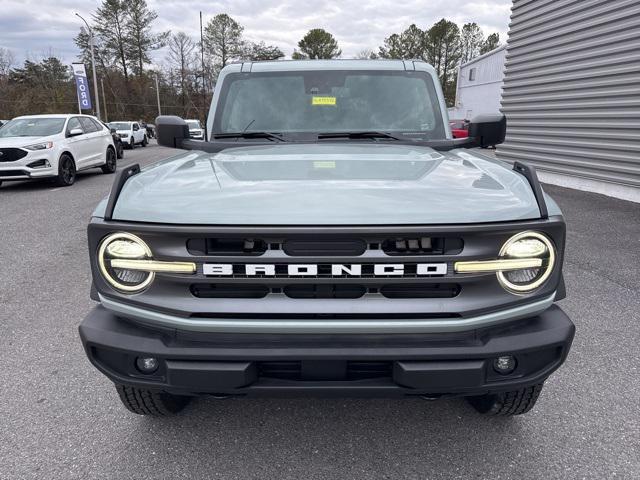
[
  {"x": 339, "y": 64},
  {"x": 55, "y": 115}
]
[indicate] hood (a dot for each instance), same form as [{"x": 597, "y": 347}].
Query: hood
[
  {"x": 327, "y": 184},
  {"x": 17, "y": 142},
  {"x": 123, "y": 132}
]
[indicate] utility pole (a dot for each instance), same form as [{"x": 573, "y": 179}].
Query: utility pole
[
  {"x": 104, "y": 101},
  {"x": 158, "y": 95},
  {"x": 93, "y": 67},
  {"x": 204, "y": 92}
]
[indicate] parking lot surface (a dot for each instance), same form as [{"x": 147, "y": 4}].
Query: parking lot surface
[{"x": 61, "y": 418}]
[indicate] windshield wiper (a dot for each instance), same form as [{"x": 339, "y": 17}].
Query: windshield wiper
[
  {"x": 356, "y": 135},
  {"x": 269, "y": 135}
]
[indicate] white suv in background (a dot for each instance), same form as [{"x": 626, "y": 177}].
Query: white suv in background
[
  {"x": 39, "y": 146},
  {"x": 195, "y": 129},
  {"x": 131, "y": 133}
]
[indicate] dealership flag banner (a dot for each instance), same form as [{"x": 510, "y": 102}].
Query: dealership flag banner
[{"x": 82, "y": 86}]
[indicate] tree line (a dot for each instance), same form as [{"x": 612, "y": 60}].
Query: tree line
[{"x": 125, "y": 41}]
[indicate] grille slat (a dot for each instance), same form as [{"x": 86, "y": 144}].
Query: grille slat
[
  {"x": 325, "y": 291},
  {"x": 354, "y": 370}
]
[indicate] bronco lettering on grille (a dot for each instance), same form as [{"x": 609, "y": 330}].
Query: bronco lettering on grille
[{"x": 314, "y": 270}]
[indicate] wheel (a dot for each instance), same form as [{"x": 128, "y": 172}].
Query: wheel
[
  {"x": 145, "y": 142},
  {"x": 148, "y": 402},
  {"x": 132, "y": 143},
  {"x": 120, "y": 150},
  {"x": 66, "y": 171},
  {"x": 516, "y": 402},
  {"x": 110, "y": 163}
]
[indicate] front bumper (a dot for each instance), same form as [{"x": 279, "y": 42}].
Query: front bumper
[
  {"x": 21, "y": 169},
  {"x": 439, "y": 364}
]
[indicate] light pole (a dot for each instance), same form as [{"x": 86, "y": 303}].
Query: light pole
[
  {"x": 158, "y": 95},
  {"x": 96, "y": 94}
]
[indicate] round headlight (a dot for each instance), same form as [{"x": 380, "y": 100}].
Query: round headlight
[
  {"x": 124, "y": 246},
  {"x": 527, "y": 245}
]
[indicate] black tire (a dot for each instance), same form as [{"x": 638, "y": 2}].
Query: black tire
[
  {"x": 148, "y": 402},
  {"x": 110, "y": 163},
  {"x": 145, "y": 142},
  {"x": 120, "y": 150},
  {"x": 66, "y": 171},
  {"x": 132, "y": 144},
  {"x": 516, "y": 402}
]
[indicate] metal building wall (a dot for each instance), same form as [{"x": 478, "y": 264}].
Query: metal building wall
[{"x": 572, "y": 88}]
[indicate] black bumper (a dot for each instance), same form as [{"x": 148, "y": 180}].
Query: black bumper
[{"x": 346, "y": 365}]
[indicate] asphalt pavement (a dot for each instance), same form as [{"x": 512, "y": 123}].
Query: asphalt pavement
[{"x": 60, "y": 418}]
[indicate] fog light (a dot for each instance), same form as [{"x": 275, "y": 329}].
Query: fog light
[
  {"x": 505, "y": 364},
  {"x": 147, "y": 364}
]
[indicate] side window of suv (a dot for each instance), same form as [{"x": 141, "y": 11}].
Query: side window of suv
[
  {"x": 74, "y": 123},
  {"x": 99, "y": 126},
  {"x": 135, "y": 127},
  {"x": 88, "y": 125}
]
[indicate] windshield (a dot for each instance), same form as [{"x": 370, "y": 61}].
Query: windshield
[
  {"x": 193, "y": 124},
  {"x": 330, "y": 101},
  {"x": 32, "y": 127},
  {"x": 120, "y": 125}
]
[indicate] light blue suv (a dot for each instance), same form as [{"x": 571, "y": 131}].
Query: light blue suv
[{"x": 329, "y": 237}]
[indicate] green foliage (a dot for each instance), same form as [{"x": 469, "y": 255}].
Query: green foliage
[
  {"x": 319, "y": 44},
  {"x": 260, "y": 51},
  {"x": 37, "y": 87},
  {"x": 141, "y": 39},
  {"x": 492, "y": 42},
  {"x": 223, "y": 40},
  {"x": 408, "y": 44},
  {"x": 471, "y": 39},
  {"x": 444, "y": 45}
]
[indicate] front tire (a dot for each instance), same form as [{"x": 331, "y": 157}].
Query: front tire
[
  {"x": 145, "y": 142},
  {"x": 148, "y": 402},
  {"x": 120, "y": 150},
  {"x": 110, "y": 163},
  {"x": 66, "y": 171},
  {"x": 511, "y": 403},
  {"x": 132, "y": 144}
]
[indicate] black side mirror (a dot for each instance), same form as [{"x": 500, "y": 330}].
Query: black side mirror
[
  {"x": 112, "y": 130},
  {"x": 171, "y": 131},
  {"x": 488, "y": 130}
]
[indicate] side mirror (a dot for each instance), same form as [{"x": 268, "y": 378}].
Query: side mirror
[
  {"x": 75, "y": 132},
  {"x": 171, "y": 131},
  {"x": 488, "y": 130},
  {"x": 112, "y": 130}
]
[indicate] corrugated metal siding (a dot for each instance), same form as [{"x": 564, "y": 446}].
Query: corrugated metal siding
[{"x": 571, "y": 91}]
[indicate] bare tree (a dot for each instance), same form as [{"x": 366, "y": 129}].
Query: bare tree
[
  {"x": 181, "y": 57},
  {"x": 7, "y": 60}
]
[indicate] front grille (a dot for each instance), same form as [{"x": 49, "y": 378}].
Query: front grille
[
  {"x": 320, "y": 246},
  {"x": 12, "y": 154}
]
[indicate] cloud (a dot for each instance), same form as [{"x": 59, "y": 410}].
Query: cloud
[{"x": 32, "y": 28}]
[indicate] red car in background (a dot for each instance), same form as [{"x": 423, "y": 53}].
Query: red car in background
[{"x": 459, "y": 128}]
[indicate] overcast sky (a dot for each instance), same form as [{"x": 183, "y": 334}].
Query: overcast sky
[{"x": 32, "y": 28}]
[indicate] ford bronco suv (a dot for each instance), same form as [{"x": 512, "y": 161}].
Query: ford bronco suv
[{"x": 329, "y": 237}]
